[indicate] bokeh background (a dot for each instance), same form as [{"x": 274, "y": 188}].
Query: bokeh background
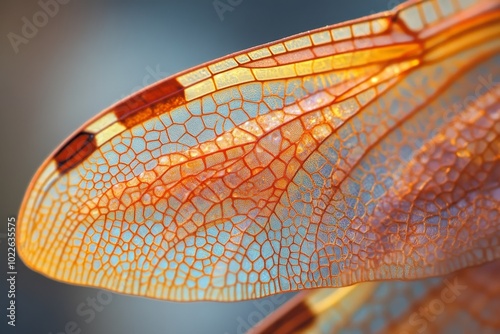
[{"x": 84, "y": 57}]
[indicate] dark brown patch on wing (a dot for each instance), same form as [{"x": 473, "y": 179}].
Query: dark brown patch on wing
[
  {"x": 75, "y": 151},
  {"x": 138, "y": 108}
]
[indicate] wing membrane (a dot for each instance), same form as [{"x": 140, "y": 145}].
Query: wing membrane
[{"x": 303, "y": 163}]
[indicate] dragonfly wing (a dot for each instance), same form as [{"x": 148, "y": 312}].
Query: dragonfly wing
[
  {"x": 462, "y": 302},
  {"x": 275, "y": 169}
]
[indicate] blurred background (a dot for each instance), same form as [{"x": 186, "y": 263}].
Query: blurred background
[{"x": 63, "y": 61}]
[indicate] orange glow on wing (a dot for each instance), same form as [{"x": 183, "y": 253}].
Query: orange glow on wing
[{"x": 352, "y": 153}]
